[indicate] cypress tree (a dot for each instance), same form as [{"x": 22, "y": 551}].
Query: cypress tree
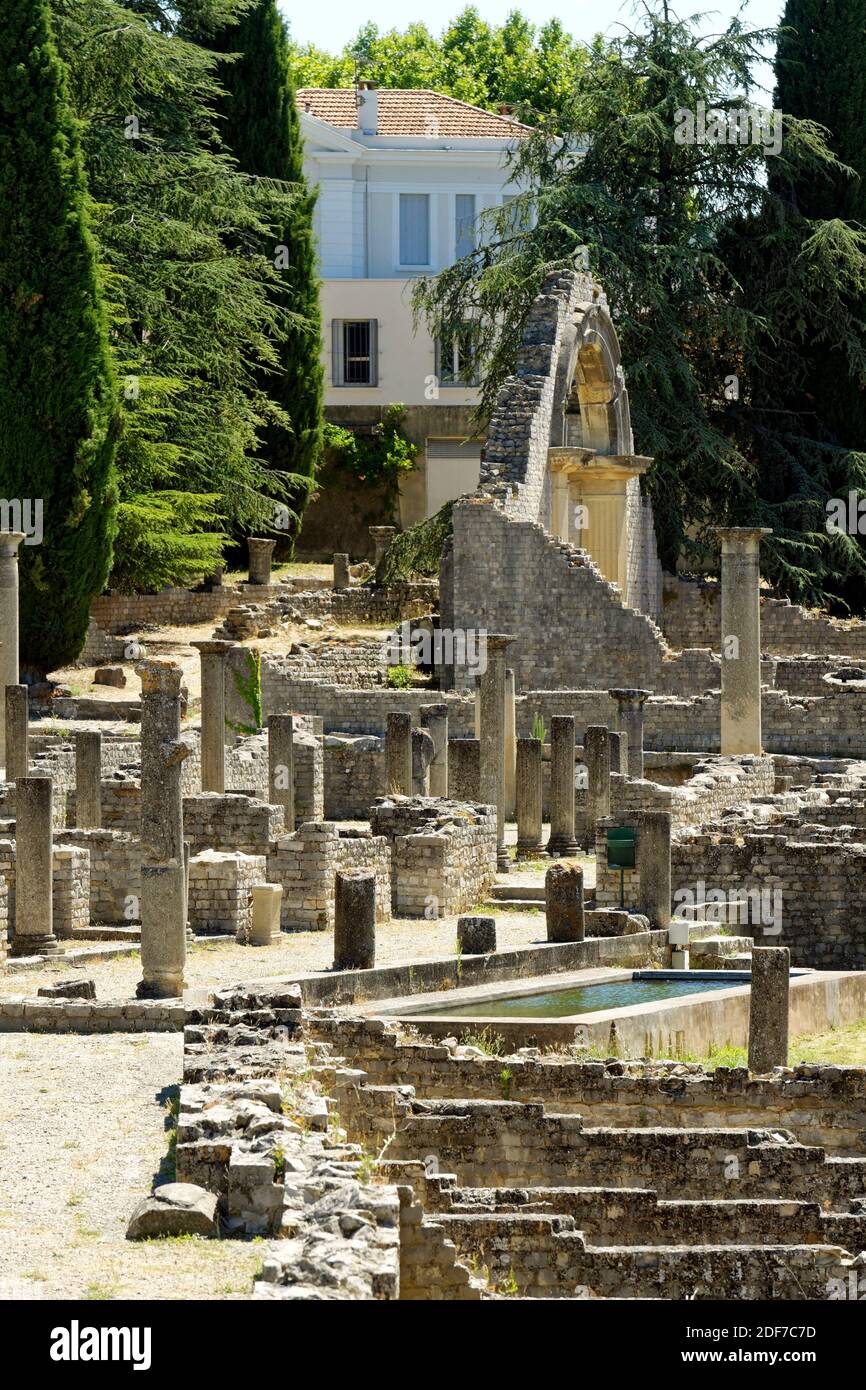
[
  {"x": 58, "y": 407},
  {"x": 821, "y": 77},
  {"x": 262, "y": 130}
]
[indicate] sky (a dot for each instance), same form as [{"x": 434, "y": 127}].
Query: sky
[{"x": 332, "y": 23}]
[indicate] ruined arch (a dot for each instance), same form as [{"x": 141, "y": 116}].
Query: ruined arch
[{"x": 591, "y": 408}]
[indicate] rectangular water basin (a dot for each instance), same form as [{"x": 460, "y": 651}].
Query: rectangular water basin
[{"x": 644, "y": 987}]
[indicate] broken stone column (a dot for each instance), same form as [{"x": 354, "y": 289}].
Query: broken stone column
[
  {"x": 510, "y": 747},
  {"x": 17, "y": 732},
  {"x": 741, "y": 640},
  {"x": 617, "y": 744},
  {"x": 9, "y": 543},
  {"x": 261, "y": 551},
  {"x": 563, "y": 896},
  {"x": 163, "y": 896},
  {"x": 214, "y": 656},
  {"x": 653, "y": 865},
  {"x": 163, "y": 931},
  {"x": 422, "y": 757},
  {"x": 381, "y": 536},
  {"x": 355, "y": 920},
  {"x": 434, "y": 718},
  {"x": 768, "y": 1008},
  {"x": 88, "y": 780},
  {"x": 528, "y": 796},
  {"x": 562, "y": 841},
  {"x": 476, "y": 936},
  {"x": 265, "y": 916},
  {"x": 398, "y": 754},
  {"x": 281, "y": 766},
  {"x": 341, "y": 573},
  {"x": 631, "y": 703},
  {"x": 492, "y": 717},
  {"x": 34, "y": 905},
  {"x": 596, "y": 755}
]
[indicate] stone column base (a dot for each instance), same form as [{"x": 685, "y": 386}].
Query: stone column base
[
  {"x": 35, "y": 946},
  {"x": 562, "y": 848},
  {"x": 167, "y": 987}
]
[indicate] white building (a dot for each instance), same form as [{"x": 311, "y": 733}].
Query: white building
[{"x": 403, "y": 177}]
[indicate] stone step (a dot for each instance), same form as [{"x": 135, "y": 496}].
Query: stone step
[{"x": 518, "y": 892}]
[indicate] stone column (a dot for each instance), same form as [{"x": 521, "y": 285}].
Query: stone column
[
  {"x": 34, "y": 905},
  {"x": 163, "y": 931},
  {"x": 618, "y": 742},
  {"x": 398, "y": 754},
  {"x": 434, "y": 718},
  {"x": 492, "y": 712},
  {"x": 261, "y": 551},
  {"x": 529, "y": 798},
  {"x": 88, "y": 780},
  {"x": 741, "y": 640},
  {"x": 563, "y": 894},
  {"x": 510, "y": 746},
  {"x": 281, "y": 766},
  {"x": 562, "y": 841},
  {"x": 355, "y": 920},
  {"x": 422, "y": 757},
  {"x": 381, "y": 536},
  {"x": 214, "y": 656},
  {"x": 265, "y": 915},
  {"x": 631, "y": 703},
  {"x": 768, "y": 1008},
  {"x": 653, "y": 864},
  {"x": 476, "y": 936},
  {"x": 163, "y": 897},
  {"x": 341, "y": 573},
  {"x": 9, "y": 543},
  {"x": 17, "y": 732},
  {"x": 596, "y": 755}
]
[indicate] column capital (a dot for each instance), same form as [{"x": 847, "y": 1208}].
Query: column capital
[
  {"x": 743, "y": 535},
  {"x": 10, "y": 541},
  {"x": 630, "y": 697},
  {"x": 497, "y": 641},
  {"x": 215, "y": 646}
]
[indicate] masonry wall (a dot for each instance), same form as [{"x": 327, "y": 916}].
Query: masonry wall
[
  {"x": 306, "y": 864},
  {"x": 692, "y": 618}
]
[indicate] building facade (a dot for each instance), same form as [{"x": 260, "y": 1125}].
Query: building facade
[{"x": 404, "y": 177}]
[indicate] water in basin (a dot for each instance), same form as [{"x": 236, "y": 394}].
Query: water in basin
[{"x": 581, "y": 999}]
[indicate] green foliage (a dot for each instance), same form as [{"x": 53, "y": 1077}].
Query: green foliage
[
  {"x": 488, "y": 65},
  {"x": 668, "y": 228},
  {"x": 538, "y": 731},
  {"x": 418, "y": 550},
  {"x": 400, "y": 677},
  {"x": 249, "y": 687},
  {"x": 378, "y": 459},
  {"x": 506, "y": 1080},
  {"x": 195, "y": 305},
  {"x": 490, "y": 1043},
  {"x": 261, "y": 127},
  {"x": 58, "y": 398}
]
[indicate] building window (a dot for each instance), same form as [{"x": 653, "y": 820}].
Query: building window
[
  {"x": 464, "y": 225},
  {"x": 453, "y": 359},
  {"x": 355, "y": 352},
  {"x": 414, "y": 229}
]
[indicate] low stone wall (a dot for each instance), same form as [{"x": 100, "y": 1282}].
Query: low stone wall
[
  {"x": 213, "y": 820},
  {"x": 824, "y": 1105},
  {"x": 306, "y": 864},
  {"x": 354, "y": 776},
  {"x": 443, "y": 853},
  {"x": 70, "y": 888},
  {"x": 19, "y": 1014},
  {"x": 822, "y": 907},
  {"x": 115, "y": 873},
  {"x": 220, "y": 891},
  {"x": 692, "y": 618}
]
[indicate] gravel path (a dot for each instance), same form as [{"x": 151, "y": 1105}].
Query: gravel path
[{"x": 82, "y": 1133}]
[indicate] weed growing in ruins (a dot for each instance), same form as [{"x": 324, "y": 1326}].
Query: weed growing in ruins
[
  {"x": 490, "y": 1043},
  {"x": 249, "y": 687},
  {"x": 505, "y": 1080},
  {"x": 400, "y": 677},
  {"x": 538, "y": 731},
  {"x": 507, "y": 1287}
]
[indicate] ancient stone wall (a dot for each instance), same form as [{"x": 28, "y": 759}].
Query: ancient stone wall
[
  {"x": 306, "y": 864},
  {"x": 692, "y": 618}
]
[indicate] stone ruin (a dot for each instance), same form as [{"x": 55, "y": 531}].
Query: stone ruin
[{"x": 385, "y": 1159}]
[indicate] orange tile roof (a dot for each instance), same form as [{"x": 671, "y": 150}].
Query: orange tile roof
[{"x": 410, "y": 111}]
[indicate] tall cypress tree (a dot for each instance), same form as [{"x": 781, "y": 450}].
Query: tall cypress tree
[
  {"x": 821, "y": 77},
  {"x": 262, "y": 130},
  {"x": 58, "y": 403}
]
